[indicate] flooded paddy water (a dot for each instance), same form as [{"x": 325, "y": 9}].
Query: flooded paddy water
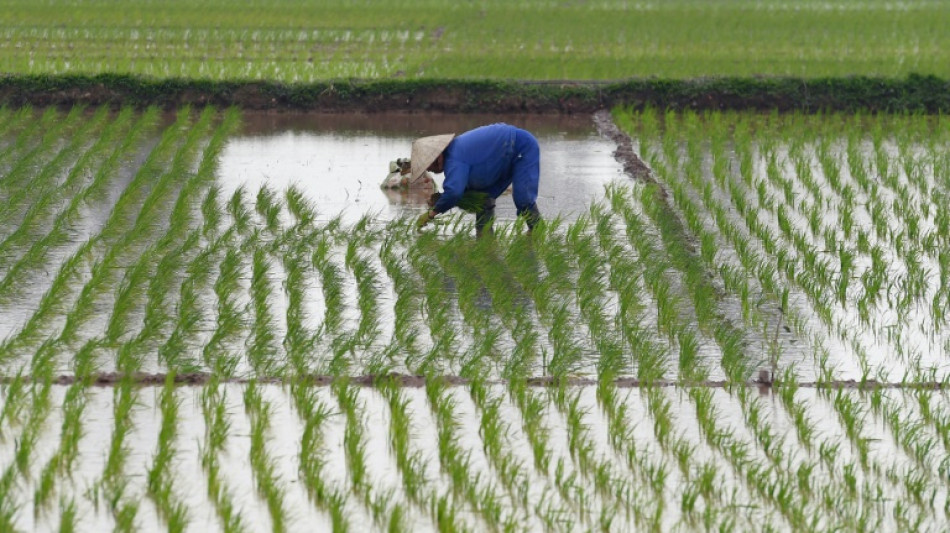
[
  {"x": 338, "y": 161},
  {"x": 185, "y": 300}
]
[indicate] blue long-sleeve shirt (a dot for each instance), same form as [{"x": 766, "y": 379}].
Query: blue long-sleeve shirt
[{"x": 478, "y": 159}]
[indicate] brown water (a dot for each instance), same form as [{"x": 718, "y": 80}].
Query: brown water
[{"x": 338, "y": 161}]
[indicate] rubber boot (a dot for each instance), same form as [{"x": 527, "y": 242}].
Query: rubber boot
[
  {"x": 531, "y": 216},
  {"x": 484, "y": 218}
]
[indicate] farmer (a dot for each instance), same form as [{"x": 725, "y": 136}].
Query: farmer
[{"x": 485, "y": 160}]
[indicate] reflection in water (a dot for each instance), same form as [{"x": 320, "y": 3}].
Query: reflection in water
[
  {"x": 339, "y": 161},
  {"x": 413, "y": 197}
]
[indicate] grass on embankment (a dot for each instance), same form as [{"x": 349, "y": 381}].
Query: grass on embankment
[{"x": 911, "y": 94}]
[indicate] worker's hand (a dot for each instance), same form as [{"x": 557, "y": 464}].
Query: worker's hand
[{"x": 424, "y": 219}]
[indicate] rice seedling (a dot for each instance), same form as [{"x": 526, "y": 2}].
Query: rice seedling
[
  {"x": 63, "y": 459},
  {"x": 269, "y": 208},
  {"x": 262, "y": 350},
  {"x": 262, "y": 464},
  {"x": 41, "y": 188},
  {"x": 409, "y": 294},
  {"x": 367, "y": 286},
  {"x": 312, "y": 460},
  {"x": 160, "y": 484},
  {"x": 300, "y": 207},
  {"x": 332, "y": 286},
  {"x": 216, "y": 434},
  {"x": 113, "y": 483}
]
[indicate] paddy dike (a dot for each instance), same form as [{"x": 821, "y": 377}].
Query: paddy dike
[{"x": 916, "y": 93}]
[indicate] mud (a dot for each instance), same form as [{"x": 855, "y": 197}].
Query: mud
[{"x": 625, "y": 154}]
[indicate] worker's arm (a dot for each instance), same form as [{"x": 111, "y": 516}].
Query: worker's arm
[{"x": 456, "y": 180}]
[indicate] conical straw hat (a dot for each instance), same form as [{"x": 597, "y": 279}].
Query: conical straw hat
[{"x": 426, "y": 150}]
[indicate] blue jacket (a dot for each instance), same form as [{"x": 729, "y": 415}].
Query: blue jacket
[{"x": 479, "y": 160}]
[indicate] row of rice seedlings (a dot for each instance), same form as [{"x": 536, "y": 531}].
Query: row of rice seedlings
[
  {"x": 106, "y": 150},
  {"x": 129, "y": 295},
  {"x": 407, "y": 334},
  {"x": 217, "y": 432},
  {"x": 193, "y": 312},
  {"x": 218, "y": 353},
  {"x": 15, "y": 402},
  {"x": 332, "y": 330},
  {"x": 101, "y": 250},
  {"x": 160, "y": 480},
  {"x": 592, "y": 295},
  {"x": 63, "y": 460},
  {"x": 607, "y": 485},
  {"x": 269, "y": 485},
  {"x": 700, "y": 476},
  {"x": 222, "y": 352},
  {"x": 262, "y": 348},
  {"x": 126, "y": 209},
  {"x": 368, "y": 282},
  {"x": 384, "y": 511},
  {"x": 761, "y": 434},
  {"x": 113, "y": 483},
  {"x": 456, "y": 464},
  {"x": 500, "y": 303},
  {"x": 440, "y": 313},
  {"x": 409, "y": 459},
  {"x": 668, "y": 300},
  {"x": 42, "y": 191},
  {"x": 763, "y": 272},
  {"x": 27, "y": 441},
  {"x": 35, "y": 146},
  {"x": 625, "y": 277},
  {"x": 495, "y": 432},
  {"x": 28, "y": 130},
  {"x": 176, "y": 244},
  {"x": 10, "y": 124},
  {"x": 456, "y": 260},
  {"x": 299, "y": 342},
  {"x": 556, "y": 301},
  {"x": 313, "y": 463},
  {"x": 799, "y": 419},
  {"x": 651, "y": 468},
  {"x": 354, "y": 439}
]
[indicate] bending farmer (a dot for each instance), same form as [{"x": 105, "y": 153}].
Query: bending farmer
[{"x": 485, "y": 160}]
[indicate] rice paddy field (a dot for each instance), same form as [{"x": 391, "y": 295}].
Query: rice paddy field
[
  {"x": 750, "y": 333},
  {"x": 301, "y": 41},
  {"x": 215, "y": 319}
]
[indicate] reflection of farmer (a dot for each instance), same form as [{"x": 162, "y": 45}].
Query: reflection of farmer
[{"x": 484, "y": 160}]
